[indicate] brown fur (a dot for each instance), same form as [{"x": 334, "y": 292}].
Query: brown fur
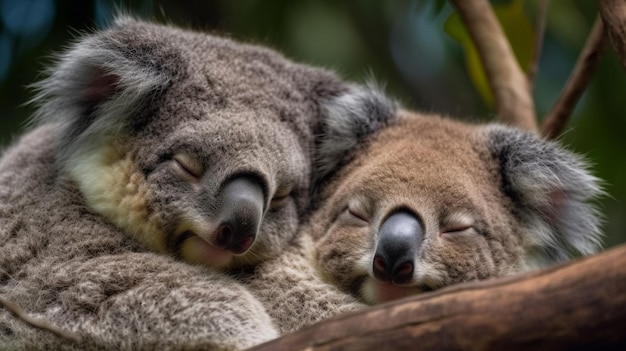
[
  {"x": 484, "y": 196},
  {"x": 445, "y": 172}
]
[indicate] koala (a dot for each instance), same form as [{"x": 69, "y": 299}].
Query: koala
[
  {"x": 161, "y": 161},
  {"x": 429, "y": 202},
  {"x": 423, "y": 203}
]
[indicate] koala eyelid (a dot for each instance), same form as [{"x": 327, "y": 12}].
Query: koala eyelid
[
  {"x": 189, "y": 165},
  {"x": 356, "y": 213},
  {"x": 348, "y": 218},
  {"x": 281, "y": 195},
  {"x": 457, "y": 229},
  {"x": 458, "y": 224}
]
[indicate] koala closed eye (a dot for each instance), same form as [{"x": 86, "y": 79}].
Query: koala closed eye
[
  {"x": 281, "y": 196},
  {"x": 355, "y": 214},
  {"x": 458, "y": 224},
  {"x": 188, "y": 166},
  {"x": 458, "y": 233}
]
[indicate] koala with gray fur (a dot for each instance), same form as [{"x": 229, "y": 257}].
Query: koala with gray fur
[
  {"x": 154, "y": 144},
  {"x": 424, "y": 203}
]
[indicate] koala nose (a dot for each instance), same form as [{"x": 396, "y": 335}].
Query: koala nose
[
  {"x": 242, "y": 203},
  {"x": 396, "y": 249}
]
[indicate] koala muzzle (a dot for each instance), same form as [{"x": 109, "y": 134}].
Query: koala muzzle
[
  {"x": 396, "y": 250},
  {"x": 242, "y": 202}
]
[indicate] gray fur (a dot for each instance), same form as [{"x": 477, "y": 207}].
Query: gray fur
[
  {"x": 93, "y": 202},
  {"x": 350, "y": 119},
  {"x": 65, "y": 264},
  {"x": 100, "y": 83},
  {"x": 554, "y": 193},
  {"x": 290, "y": 287},
  {"x": 293, "y": 292}
]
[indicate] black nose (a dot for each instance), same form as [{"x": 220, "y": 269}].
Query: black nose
[
  {"x": 242, "y": 203},
  {"x": 398, "y": 242}
]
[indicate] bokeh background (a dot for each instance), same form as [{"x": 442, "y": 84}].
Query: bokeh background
[{"x": 402, "y": 43}]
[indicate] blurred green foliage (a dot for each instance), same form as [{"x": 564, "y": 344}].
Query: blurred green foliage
[
  {"x": 401, "y": 43},
  {"x": 518, "y": 29}
]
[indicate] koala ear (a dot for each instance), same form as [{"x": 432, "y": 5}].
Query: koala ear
[
  {"x": 99, "y": 82},
  {"x": 552, "y": 190},
  {"x": 347, "y": 119}
]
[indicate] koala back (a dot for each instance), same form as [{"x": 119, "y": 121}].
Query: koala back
[{"x": 430, "y": 202}]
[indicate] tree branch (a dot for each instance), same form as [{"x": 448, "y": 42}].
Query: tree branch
[
  {"x": 540, "y": 33},
  {"x": 581, "y": 305},
  {"x": 514, "y": 103},
  {"x": 587, "y": 61},
  {"x": 613, "y": 14},
  {"x": 36, "y": 323}
]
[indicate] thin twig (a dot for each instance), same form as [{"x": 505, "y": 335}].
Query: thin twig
[
  {"x": 514, "y": 103},
  {"x": 562, "y": 110},
  {"x": 613, "y": 14},
  {"x": 40, "y": 324},
  {"x": 540, "y": 29}
]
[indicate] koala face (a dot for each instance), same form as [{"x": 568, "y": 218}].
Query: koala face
[
  {"x": 209, "y": 192},
  {"x": 431, "y": 202},
  {"x": 196, "y": 145}
]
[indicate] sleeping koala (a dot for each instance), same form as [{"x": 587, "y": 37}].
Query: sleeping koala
[
  {"x": 431, "y": 202},
  {"x": 154, "y": 144},
  {"x": 427, "y": 202}
]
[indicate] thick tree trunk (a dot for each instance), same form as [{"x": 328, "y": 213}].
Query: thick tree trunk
[{"x": 580, "y": 305}]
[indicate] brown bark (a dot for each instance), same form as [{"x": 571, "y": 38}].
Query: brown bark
[
  {"x": 580, "y": 305},
  {"x": 613, "y": 14},
  {"x": 509, "y": 85},
  {"x": 540, "y": 28},
  {"x": 559, "y": 115}
]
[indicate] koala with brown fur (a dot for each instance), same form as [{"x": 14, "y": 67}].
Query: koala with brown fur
[
  {"x": 152, "y": 145},
  {"x": 425, "y": 203},
  {"x": 430, "y": 202}
]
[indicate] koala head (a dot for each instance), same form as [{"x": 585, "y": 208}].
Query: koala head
[
  {"x": 429, "y": 202},
  {"x": 196, "y": 145}
]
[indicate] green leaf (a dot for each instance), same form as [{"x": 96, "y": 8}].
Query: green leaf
[{"x": 519, "y": 31}]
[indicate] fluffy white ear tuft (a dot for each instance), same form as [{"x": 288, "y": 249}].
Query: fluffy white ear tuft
[
  {"x": 553, "y": 192},
  {"x": 347, "y": 120},
  {"x": 99, "y": 82}
]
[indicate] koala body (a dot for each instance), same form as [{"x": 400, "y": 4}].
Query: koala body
[
  {"x": 430, "y": 202},
  {"x": 155, "y": 144}
]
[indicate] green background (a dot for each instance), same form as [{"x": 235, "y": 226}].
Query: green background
[{"x": 401, "y": 43}]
